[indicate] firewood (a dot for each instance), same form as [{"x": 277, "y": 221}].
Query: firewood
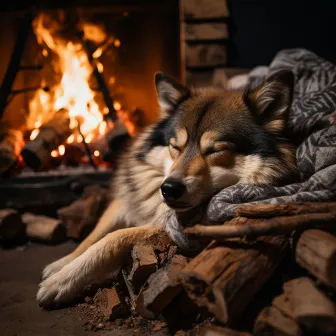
[
  {"x": 224, "y": 277},
  {"x": 283, "y": 304},
  {"x": 110, "y": 303},
  {"x": 81, "y": 216},
  {"x": 12, "y": 229},
  {"x": 221, "y": 331},
  {"x": 310, "y": 307},
  {"x": 44, "y": 229},
  {"x": 54, "y": 133},
  {"x": 271, "y": 321},
  {"x": 284, "y": 209},
  {"x": 131, "y": 301},
  {"x": 144, "y": 264},
  {"x": 252, "y": 228},
  {"x": 315, "y": 250},
  {"x": 161, "y": 288},
  {"x": 11, "y": 142}
]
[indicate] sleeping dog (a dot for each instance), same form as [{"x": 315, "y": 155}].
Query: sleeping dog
[{"x": 205, "y": 140}]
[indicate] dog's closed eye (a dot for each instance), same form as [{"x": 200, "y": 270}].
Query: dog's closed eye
[{"x": 219, "y": 147}]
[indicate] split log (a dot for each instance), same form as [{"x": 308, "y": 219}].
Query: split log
[
  {"x": 282, "y": 302},
  {"x": 54, "y": 133},
  {"x": 82, "y": 215},
  {"x": 255, "y": 228},
  {"x": 271, "y": 321},
  {"x": 44, "y": 229},
  {"x": 160, "y": 289},
  {"x": 225, "y": 277},
  {"x": 310, "y": 307},
  {"x": 110, "y": 303},
  {"x": 315, "y": 250},
  {"x": 11, "y": 142},
  {"x": 12, "y": 229},
  {"x": 221, "y": 331},
  {"x": 284, "y": 209},
  {"x": 144, "y": 263}
]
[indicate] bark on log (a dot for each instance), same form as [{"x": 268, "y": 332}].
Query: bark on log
[
  {"x": 12, "y": 229},
  {"x": 44, "y": 229},
  {"x": 52, "y": 134},
  {"x": 315, "y": 250},
  {"x": 82, "y": 215},
  {"x": 225, "y": 277},
  {"x": 284, "y": 209},
  {"x": 160, "y": 289},
  {"x": 312, "y": 310},
  {"x": 253, "y": 227},
  {"x": 271, "y": 321},
  {"x": 11, "y": 142},
  {"x": 110, "y": 303},
  {"x": 144, "y": 263}
]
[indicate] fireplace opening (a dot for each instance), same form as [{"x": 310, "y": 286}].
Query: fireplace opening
[{"x": 81, "y": 83}]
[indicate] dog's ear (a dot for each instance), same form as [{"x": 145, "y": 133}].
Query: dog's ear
[
  {"x": 169, "y": 92},
  {"x": 270, "y": 102}
]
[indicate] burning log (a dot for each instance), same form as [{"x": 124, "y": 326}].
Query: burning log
[
  {"x": 81, "y": 216},
  {"x": 254, "y": 227},
  {"x": 10, "y": 145},
  {"x": 271, "y": 321},
  {"x": 110, "y": 303},
  {"x": 284, "y": 209},
  {"x": 52, "y": 134},
  {"x": 315, "y": 250},
  {"x": 225, "y": 277},
  {"x": 12, "y": 229},
  {"x": 42, "y": 228},
  {"x": 161, "y": 288}
]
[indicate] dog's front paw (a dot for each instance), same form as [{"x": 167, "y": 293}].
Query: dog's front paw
[
  {"x": 58, "y": 289},
  {"x": 55, "y": 267}
]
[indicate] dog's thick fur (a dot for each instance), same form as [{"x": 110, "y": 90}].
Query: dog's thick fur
[{"x": 204, "y": 141}]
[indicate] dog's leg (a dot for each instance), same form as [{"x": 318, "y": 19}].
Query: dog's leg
[
  {"x": 111, "y": 220},
  {"x": 102, "y": 258}
]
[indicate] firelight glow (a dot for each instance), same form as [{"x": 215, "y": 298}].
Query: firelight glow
[
  {"x": 73, "y": 91},
  {"x": 61, "y": 149}
]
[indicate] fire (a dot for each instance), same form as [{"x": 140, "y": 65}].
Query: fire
[{"x": 73, "y": 91}]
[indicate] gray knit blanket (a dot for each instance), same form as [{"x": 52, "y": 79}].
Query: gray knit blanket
[{"x": 312, "y": 124}]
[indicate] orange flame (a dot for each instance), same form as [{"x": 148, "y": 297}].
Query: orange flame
[{"x": 72, "y": 92}]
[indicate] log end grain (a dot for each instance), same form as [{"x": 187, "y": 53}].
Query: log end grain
[
  {"x": 12, "y": 229},
  {"x": 271, "y": 321}
]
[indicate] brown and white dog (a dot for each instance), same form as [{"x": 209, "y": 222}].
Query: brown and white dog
[{"x": 204, "y": 141}]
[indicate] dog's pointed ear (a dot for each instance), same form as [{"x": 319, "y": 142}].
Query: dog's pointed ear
[
  {"x": 169, "y": 92},
  {"x": 270, "y": 102}
]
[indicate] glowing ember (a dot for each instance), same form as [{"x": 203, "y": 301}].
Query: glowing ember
[
  {"x": 100, "y": 67},
  {"x": 117, "y": 43},
  {"x": 96, "y": 153},
  {"x": 117, "y": 106},
  {"x": 54, "y": 153},
  {"x": 102, "y": 127},
  {"x": 34, "y": 134},
  {"x": 71, "y": 139},
  {"x": 61, "y": 149}
]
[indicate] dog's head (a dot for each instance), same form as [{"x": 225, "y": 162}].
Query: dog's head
[{"x": 213, "y": 139}]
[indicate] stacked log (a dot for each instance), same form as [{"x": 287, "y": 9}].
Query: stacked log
[
  {"x": 81, "y": 216},
  {"x": 11, "y": 142}
]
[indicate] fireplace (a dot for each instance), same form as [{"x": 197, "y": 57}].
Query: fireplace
[{"x": 82, "y": 82}]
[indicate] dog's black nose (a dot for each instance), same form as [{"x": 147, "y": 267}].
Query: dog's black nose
[{"x": 172, "y": 189}]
